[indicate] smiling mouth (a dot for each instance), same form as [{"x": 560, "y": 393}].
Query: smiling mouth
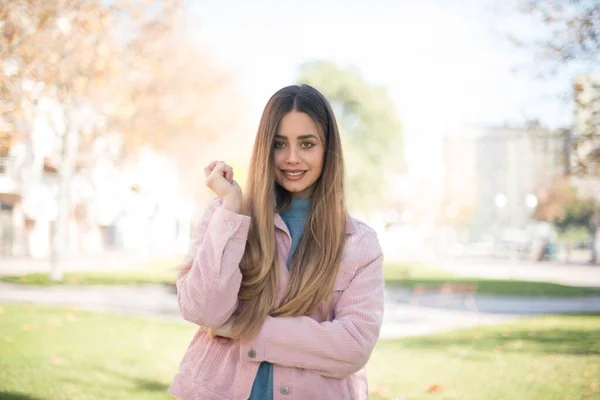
[{"x": 293, "y": 175}]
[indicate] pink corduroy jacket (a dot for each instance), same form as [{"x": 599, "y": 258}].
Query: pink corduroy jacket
[{"x": 313, "y": 357}]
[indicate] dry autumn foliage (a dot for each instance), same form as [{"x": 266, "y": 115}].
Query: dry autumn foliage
[
  {"x": 127, "y": 61},
  {"x": 435, "y": 389},
  {"x": 568, "y": 39},
  {"x": 120, "y": 68}
]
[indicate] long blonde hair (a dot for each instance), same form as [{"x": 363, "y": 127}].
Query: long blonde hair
[{"x": 316, "y": 261}]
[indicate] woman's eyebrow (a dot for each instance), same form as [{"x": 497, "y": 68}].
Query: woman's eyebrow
[{"x": 309, "y": 136}]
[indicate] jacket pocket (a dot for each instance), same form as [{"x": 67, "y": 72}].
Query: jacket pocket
[
  {"x": 310, "y": 385},
  {"x": 341, "y": 283}
]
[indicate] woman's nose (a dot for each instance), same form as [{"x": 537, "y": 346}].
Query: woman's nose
[{"x": 292, "y": 156}]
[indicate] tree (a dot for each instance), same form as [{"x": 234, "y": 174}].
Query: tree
[
  {"x": 571, "y": 30},
  {"x": 552, "y": 201},
  {"x": 104, "y": 66},
  {"x": 173, "y": 98},
  {"x": 564, "y": 207},
  {"x": 57, "y": 52},
  {"x": 569, "y": 40},
  {"x": 370, "y": 129}
]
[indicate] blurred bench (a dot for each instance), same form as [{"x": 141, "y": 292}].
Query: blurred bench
[{"x": 447, "y": 292}]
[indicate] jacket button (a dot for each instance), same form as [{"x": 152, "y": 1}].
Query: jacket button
[
  {"x": 231, "y": 224},
  {"x": 252, "y": 353},
  {"x": 284, "y": 390}
]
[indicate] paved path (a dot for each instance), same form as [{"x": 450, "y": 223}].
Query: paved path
[
  {"x": 505, "y": 305},
  {"x": 401, "y": 318},
  {"x": 566, "y": 274},
  {"x": 142, "y": 300},
  {"x": 405, "y": 319}
]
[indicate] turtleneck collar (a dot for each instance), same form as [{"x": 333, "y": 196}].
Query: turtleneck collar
[{"x": 298, "y": 208}]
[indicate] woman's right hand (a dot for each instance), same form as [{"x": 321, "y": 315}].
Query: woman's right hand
[{"x": 219, "y": 178}]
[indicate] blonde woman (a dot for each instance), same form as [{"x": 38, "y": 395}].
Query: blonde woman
[{"x": 285, "y": 286}]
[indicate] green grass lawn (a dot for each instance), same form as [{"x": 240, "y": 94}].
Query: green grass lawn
[
  {"x": 165, "y": 272},
  {"x": 63, "y": 354},
  {"x": 57, "y": 353},
  {"x": 409, "y": 276},
  {"x": 548, "y": 358},
  {"x": 155, "y": 272}
]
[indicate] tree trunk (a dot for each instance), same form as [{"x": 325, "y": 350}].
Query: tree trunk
[
  {"x": 60, "y": 228},
  {"x": 30, "y": 169},
  {"x": 593, "y": 246}
]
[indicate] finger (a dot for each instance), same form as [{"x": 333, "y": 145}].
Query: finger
[
  {"x": 215, "y": 173},
  {"x": 218, "y": 170},
  {"x": 213, "y": 164},
  {"x": 219, "y": 166},
  {"x": 224, "y": 170},
  {"x": 209, "y": 168},
  {"x": 229, "y": 173}
]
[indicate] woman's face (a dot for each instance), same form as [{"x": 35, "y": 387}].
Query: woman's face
[{"x": 298, "y": 154}]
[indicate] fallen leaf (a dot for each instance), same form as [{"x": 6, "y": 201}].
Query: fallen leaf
[
  {"x": 531, "y": 334},
  {"x": 71, "y": 317},
  {"x": 57, "y": 360},
  {"x": 499, "y": 348},
  {"x": 587, "y": 374},
  {"x": 1, "y": 310},
  {"x": 380, "y": 390},
  {"x": 592, "y": 385},
  {"x": 434, "y": 389},
  {"x": 8, "y": 340},
  {"x": 505, "y": 333}
]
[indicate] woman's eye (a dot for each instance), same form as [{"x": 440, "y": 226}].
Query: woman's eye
[
  {"x": 279, "y": 145},
  {"x": 307, "y": 145}
]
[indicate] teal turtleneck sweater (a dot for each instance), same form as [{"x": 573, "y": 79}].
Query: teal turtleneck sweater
[{"x": 295, "y": 219}]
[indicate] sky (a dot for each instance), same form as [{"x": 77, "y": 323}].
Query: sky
[{"x": 444, "y": 63}]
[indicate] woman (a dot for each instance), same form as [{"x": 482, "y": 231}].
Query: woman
[{"x": 287, "y": 288}]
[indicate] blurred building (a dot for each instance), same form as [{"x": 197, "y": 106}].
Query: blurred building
[
  {"x": 10, "y": 214},
  {"x": 492, "y": 175},
  {"x": 136, "y": 205}
]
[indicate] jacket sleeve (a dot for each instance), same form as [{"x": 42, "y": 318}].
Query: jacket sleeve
[
  {"x": 207, "y": 292},
  {"x": 335, "y": 348}
]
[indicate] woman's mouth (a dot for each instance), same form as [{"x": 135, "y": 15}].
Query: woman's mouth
[{"x": 293, "y": 175}]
